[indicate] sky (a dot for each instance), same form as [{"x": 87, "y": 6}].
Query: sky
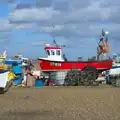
[{"x": 27, "y": 25}]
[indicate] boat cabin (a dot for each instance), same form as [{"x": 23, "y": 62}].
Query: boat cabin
[{"x": 53, "y": 53}]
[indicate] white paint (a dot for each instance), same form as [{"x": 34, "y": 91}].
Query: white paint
[
  {"x": 3, "y": 79},
  {"x": 52, "y": 57},
  {"x": 47, "y": 45},
  {"x": 115, "y": 71}
]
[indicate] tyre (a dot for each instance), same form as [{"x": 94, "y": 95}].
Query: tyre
[
  {"x": 92, "y": 70},
  {"x": 91, "y": 75}
]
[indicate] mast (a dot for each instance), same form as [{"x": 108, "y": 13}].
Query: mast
[{"x": 103, "y": 46}]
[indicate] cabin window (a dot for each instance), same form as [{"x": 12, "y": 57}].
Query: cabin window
[
  {"x": 52, "y": 52},
  {"x": 48, "y": 52},
  {"x": 58, "y": 52}
]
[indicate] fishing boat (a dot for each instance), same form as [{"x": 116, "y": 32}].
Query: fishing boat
[{"x": 56, "y": 61}]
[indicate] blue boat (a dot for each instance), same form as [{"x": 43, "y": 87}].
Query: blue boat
[
  {"x": 16, "y": 66},
  {"x": 11, "y": 62}
]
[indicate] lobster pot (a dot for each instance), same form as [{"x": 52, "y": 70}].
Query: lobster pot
[
  {"x": 58, "y": 77},
  {"x": 3, "y": 78}
]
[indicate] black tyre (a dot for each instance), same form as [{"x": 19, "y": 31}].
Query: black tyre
[
  {"x": 93, "y": 71},
  {"x": 91, "y": 75}
]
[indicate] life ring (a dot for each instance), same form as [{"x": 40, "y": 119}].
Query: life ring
[{"x": 105, "y": 48}]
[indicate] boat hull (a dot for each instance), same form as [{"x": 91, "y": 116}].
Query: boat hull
[{"x": 47, "y": 65}]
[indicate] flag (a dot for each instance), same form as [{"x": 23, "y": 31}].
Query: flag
[
  {"x": 54, "y": 42},
  {"x": 106, "y": 39},
  {"x": 103, "y": 33}
]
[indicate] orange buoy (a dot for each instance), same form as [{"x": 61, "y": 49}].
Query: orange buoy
[{"x": 106, "y": 48}]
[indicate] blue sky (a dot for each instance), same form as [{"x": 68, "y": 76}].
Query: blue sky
[{"x": 28, "y": 25}]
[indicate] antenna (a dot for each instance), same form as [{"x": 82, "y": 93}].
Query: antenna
[{"x": 54, "y": 41}]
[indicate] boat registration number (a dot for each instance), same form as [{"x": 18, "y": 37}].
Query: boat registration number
[{"x": 55, "y": 64}]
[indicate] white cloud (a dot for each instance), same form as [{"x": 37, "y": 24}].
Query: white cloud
[
  {"x": 38, "y": 43},
  {"x": 32, "y": 14},
  {"x": 76, "y": 20},
  {"x": 24, "y": 25},
  {"x": 5, "y": 25},
  {"x": 50, "y": 29}
]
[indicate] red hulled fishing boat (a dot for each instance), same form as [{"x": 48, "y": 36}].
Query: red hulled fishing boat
[{"x": 56, "y": 62}]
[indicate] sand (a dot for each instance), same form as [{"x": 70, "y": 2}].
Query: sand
[{"x": 61, "y": 103}]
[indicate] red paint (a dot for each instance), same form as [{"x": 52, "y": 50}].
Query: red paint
[
  {"x": 52, "y": 48},
  {"x": 47, "y": 65}
]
